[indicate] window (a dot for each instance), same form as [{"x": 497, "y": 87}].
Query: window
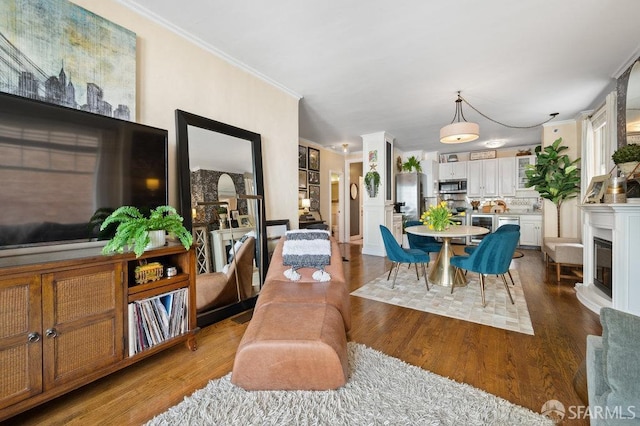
[{"x": 599, "y": 141}]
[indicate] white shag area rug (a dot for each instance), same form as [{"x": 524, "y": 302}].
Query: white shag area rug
[
  {"x": 381, "y": 391},
  {"x": 465, "y": 303}
]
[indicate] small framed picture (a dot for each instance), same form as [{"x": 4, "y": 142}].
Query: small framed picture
[
  {"x": 314, "y": 159},
  {"x": 314, "y": 195},
  {"x": 302, "y": 179},
  {"x": 596, "y": 189},
  {"x": 245, "y": 221},
  {"x": 314, "y": 178},
  {"x": 302, "y": 157}
]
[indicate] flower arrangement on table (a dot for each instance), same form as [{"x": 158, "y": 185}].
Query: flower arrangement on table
[{"x": 438, "y": 217}]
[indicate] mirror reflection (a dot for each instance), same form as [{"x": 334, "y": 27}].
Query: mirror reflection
[
  {"x": 219, "y": 185},
  {"x": 633, "y": 125},
  {"x": 633, "y": 105},
  {"x": 226, "y": 187}
]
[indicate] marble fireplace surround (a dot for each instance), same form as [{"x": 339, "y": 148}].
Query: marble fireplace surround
[{"x": 620, "y": 224}]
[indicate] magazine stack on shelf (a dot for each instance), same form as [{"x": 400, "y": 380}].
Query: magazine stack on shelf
[{"x": 157, "y": 319}]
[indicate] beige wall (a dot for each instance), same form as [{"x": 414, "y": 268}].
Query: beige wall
[
  {"x": 570, "y": 213},
  {"x": 174, "y": 73}
]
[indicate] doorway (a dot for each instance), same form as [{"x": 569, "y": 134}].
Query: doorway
[
  {"x": 354, "y": 206},
  {"x": 336, "y": 217}
]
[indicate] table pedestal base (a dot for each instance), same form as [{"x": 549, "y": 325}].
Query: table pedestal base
[{"x": 442, "y": 272}]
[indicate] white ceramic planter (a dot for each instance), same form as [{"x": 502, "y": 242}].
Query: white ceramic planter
[
  {"x": 627, "y": 168},
  {"x": 158, "y": 239}
]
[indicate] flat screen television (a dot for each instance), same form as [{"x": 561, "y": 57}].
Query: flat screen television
[{"x": 62, "y": 170}]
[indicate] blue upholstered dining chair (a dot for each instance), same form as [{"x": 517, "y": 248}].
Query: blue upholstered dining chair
[
  {"x": 503, "y": 228},
  {"x": 492, "y": 257},
  {"x": 399, "y": 255},
  {"x": 422, "y": 242}
]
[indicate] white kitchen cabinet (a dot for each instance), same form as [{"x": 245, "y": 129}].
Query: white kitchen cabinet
[
  {"x": 531, "y": 230},
  {"x": 482, "y": 178},
  {"x": 455, "y": 170},
  {"x": 507, "y": 176},
  {"x": 397, "y": 227},
  {"x": 521, "y": 167}
]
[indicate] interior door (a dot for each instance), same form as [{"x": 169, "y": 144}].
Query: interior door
[{"x": 336, "y": 224}]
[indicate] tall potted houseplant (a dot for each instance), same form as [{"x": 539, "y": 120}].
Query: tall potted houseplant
[
  {"x": 135, "y": 230},
  {"x": 555, "y": 176}
]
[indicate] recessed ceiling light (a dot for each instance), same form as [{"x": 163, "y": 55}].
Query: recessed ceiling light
[{"x": 494, "y": 144}]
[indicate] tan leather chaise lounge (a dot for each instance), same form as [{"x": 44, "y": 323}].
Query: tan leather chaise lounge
[{"x": 297, "y": 337}]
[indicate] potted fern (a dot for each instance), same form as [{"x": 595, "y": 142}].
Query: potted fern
[
  {"x": 412, "y": 163},
  {"x": 138, "y": 232}
]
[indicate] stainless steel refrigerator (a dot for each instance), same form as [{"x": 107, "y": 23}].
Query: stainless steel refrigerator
[{"x": 411, "y": 190}]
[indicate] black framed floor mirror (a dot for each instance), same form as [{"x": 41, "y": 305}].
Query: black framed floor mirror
[{"x": 221, "y": 191}]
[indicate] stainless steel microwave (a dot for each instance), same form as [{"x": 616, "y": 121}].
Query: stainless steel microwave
[{"x": 453, "y": 186}]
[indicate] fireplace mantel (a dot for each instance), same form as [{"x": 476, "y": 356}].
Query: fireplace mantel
[{"x": 620, "y": 224}]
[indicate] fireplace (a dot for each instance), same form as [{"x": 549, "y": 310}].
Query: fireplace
[{"x": 602, "y": 265}]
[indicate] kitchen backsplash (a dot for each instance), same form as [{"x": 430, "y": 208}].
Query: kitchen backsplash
[{"x": 513, "y": 203}]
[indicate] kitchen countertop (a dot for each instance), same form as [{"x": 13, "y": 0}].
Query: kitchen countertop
[{"x": 507, "y": 213}]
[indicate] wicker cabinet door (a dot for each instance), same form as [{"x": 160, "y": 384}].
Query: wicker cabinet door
[
  {"x": 82, "y": 322},
  {"x": 20, "y": 339}
]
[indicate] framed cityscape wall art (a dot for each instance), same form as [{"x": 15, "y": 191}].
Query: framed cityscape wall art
[{"x": 55, "y": 51}]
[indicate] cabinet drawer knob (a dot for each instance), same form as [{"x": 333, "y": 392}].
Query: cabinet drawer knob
[
  {"x": 33, "y": 337},
  {"x": 51, "y": 332}
]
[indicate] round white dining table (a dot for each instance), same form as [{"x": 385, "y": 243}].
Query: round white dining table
[{"x": 442, "y": 272}]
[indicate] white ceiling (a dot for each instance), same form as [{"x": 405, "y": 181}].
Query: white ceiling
[{"x": 364, "y": 66}]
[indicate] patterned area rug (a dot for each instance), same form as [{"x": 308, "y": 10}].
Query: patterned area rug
[
  {"x": 381, "y": 391},
  {"x": 465, "y": 303}
]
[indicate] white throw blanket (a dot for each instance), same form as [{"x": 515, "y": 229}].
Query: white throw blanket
[{"x": 307, "y": 249}]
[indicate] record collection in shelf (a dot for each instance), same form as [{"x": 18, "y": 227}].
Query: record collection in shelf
[{"x": 157, "y": 319}]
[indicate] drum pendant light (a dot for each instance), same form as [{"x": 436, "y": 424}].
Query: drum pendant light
[{"x": 460, "y": 130}]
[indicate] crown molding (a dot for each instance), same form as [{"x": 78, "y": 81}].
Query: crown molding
[
  {"x": 634, "y": 57},
  {"x": 204, "y": 45},
  {"x": 559, "y": 123}
]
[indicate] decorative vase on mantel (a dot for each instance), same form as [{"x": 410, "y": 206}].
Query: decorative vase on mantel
[{"x": 223, "y": 220}]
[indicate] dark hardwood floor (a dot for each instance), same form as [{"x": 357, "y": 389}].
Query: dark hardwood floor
[{"x": 526, "y": 370}]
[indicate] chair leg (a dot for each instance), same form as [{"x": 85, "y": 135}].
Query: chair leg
[
  {"x": 546, "y": 267},
  {"x": 504, "y": 280},
  {"x": 393, "y": 264},
  {"x": 482, "y": 289},
  {"x": 417, "y": 275},
  {"x": 512, "y": 282},
  {"x": 424, "y": 273},
  {"x": 395, "y": 276},
  {"x": 557, "y": 272}
]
